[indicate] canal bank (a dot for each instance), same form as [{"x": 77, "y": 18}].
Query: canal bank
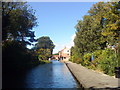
[{"x": 91, "y": 79}]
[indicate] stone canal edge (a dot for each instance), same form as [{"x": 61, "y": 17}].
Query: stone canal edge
[{"x": 88, "y": 78}]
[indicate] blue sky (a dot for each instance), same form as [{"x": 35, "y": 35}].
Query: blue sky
[{"x": 58, "y": 19}]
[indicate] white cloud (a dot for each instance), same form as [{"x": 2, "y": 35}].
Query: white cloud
[
  {"x": 71, "y": 43},
  {"x": 59, "y": 47},
  {"x": 73, "y": 37}
]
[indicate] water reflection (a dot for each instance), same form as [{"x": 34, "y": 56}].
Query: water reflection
[
  {"x": 53, "y": 75},
  {"x": 39, "y": 77},
  {"x": 62, "y": 77}
]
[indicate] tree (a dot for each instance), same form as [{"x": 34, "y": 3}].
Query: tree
[
  {"x": 112, "y": 19},
  {"x": 108, "y": 16},
  {"x": 88, "y": 36},
  {"x": 56, "y": 54},
  {"x": 101, "y": 26},
  {"x": 17, "y": 22},
  {"x": 44, "y": 48},
  {"x": 44, "y": 54},
  {"x": 45, "y": 43}
]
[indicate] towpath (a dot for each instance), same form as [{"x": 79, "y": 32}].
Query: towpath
[{"x": 91, "y": 79}]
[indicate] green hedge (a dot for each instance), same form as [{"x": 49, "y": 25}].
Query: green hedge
[
  {"x": 108, "y": 61},
  {"x": 104, "y": 61},
  {"x": 87, "y": 59}
]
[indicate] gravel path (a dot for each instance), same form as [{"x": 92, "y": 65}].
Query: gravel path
[{"x": 91, "y": 79}]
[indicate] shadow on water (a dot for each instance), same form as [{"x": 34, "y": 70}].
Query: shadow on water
[
  {"x": 52, "y": 75},
  {"x": 12, "y": 78}
]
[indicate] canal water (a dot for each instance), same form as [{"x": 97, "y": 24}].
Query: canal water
[{"x": 52, "y": 75}]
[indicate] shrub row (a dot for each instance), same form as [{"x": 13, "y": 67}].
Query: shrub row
[{"x": 101, "y": 60}]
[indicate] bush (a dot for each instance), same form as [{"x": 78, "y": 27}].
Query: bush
[
  {"x": 87, "y": 59},
  {"x": 118, "y": 54},
  {"x": 43, "y": 54},
  {"x": 97, "y": 53},
  {"x": 96, "y": 56},
  {"x": 104, "y": 60},
  {"x": 16, "y": 56},
  {"x": 44, "y": 61},
  {"x": 108, "y": 61},
  {"x": 76, "y": 58}
]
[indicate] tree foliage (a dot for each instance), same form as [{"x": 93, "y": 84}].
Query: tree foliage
[
  {"x": 99, "y": 28},
  {"x": 45, "y": 43},
  {"x": 44, "y": 54},
  {"x": 44, "y": 48},
  {"x": 56, "y": 54},
  {"x": 17, "y": 21},
  {"x": 110, "y": 19}
]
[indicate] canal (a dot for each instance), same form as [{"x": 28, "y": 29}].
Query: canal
[{"x": 52, "y": 75}]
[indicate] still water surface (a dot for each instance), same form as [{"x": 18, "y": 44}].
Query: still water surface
[{"x": 53, "y": 75}]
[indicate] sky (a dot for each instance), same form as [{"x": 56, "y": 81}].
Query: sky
[{"x": 58, "y": 20}]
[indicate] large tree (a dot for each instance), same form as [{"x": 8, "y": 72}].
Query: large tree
[
  {"x": 108, "y": 15},
  {"x": 44, "y": 48},
  {"x": 101, "y": 26},
  {"x": 45, "y": 43},
  {"x": 18, "y": 19}
]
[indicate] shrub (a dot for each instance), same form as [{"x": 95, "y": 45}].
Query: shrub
[
  {"x": 87, "y": 59},
  {"x": 44, "y": 61},
  {"x": 16, "y": 56},
  {"x": 108, "y": 61},
  {"x": 97, "y": 53},
  {"x": 76, "y": 57},
  {"x": 96, "y": 60},
  {"x": 104, "y": 60},
  {"x": 43, "y": 54}
]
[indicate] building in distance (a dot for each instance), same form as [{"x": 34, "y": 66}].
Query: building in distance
[{"x": 64, "y": 54}]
